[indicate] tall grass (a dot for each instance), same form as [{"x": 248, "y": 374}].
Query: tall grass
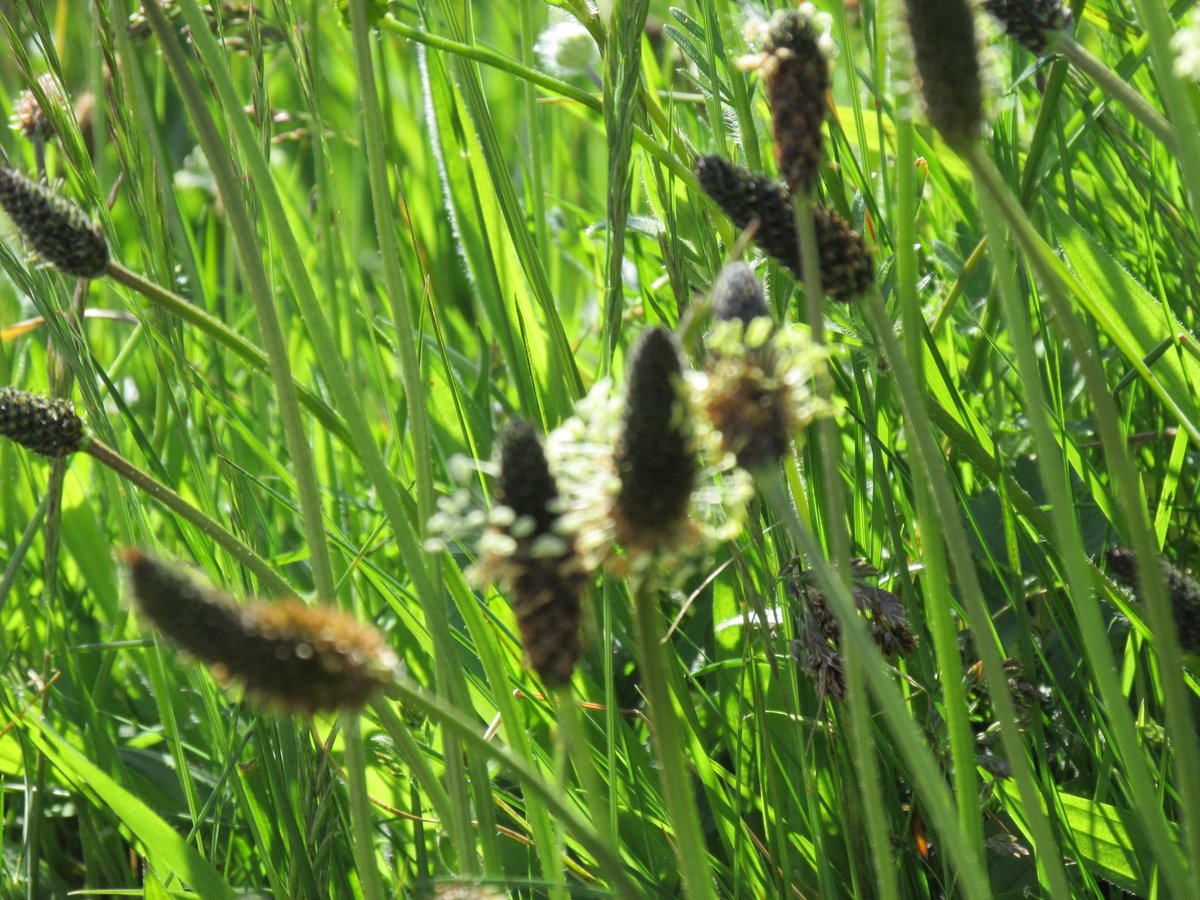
[{"x": 352, "y": 241}]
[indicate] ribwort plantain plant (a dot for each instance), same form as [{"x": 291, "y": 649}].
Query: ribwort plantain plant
[
  {"x": 760, "y": 202},
  {"x": 438, "y": 312},
  {"x": 284, "y": 654}
]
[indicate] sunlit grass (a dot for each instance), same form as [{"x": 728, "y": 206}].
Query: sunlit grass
[{"x": 352, "y": 242}]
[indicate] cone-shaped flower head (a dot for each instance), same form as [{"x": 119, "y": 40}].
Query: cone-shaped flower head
[
  {"x": 45, "y": 426},
  {"x": 746, "y": 197},
  {"x": 846, "y": 269},
  {"x": 285, "y": 654},
  {"x": 737, "y": 294},
  {"x": 947, "y": 56},
  {"x": 541, "y": 569},
  {"x": 656, "y": 459},
  {"x": 796, "y": 75},
  {"x": 758, "y": 386},
  {"x": 58, "y": 230},
  {"x": 1182, "y": 590},
  {"x": 758, "y": 389},
  {"x": 1030, "y": 21}
]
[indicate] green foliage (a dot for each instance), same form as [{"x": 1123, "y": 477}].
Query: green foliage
[{"x": 352, "y": 241}]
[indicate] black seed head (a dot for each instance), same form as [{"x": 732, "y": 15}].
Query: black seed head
[
  {"x": 285, "y": 654},
  {"x": 737, "y": 294},
  {"x": 543, "y": 575},
  {"x": 1030, "y": 21},
  {"x": 1122, "y": 565},
  {"x": 947, "y": 56},
  {"x": 846, "y": 268},
  {"x": 525, "y": 484},
  {"x": 545, "y": 597},
  {"x": 655, "y": 461},
  {"x": 746, "y": 197},
  {"x": 818, "y": 649},
  {"x": 796, "y": 75},
  {"x": 45, "y": 426},
  {"x": 58, "y": 230},
  {"x": 889, "y": 620},
  {"x": 1182, "y": 590}
]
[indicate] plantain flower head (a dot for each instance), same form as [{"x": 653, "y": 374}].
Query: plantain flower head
[{"x": 286, "y": 654}]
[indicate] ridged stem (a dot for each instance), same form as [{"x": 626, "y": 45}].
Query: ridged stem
[
  {"x": 923, "y": 771},
  {"x": 1050, "y": 467},
  {"x": 928, "y": 467},
  {"x": 936, "y": 593},
  {"x": 669, "y": 750},
  {"x": 829, "y": 442},
  {"x": 573, "y": 736},
  {"x": 389, "y": 249},
  {"x": 452, "y": 680},
  {"x": 467, "y": 730},
  {"x": 1180, "y": 724},
  {"x": 360, "y": 809}
]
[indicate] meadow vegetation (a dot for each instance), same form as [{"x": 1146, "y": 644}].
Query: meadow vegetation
[{"x": 530, "y": 449}]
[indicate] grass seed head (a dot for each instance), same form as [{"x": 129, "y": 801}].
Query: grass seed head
[
  {"x": 285, "y": 654},
  {"x": 41, "y": 424},
  {"x": 818, "y": 649},
  {"x": 846, "y": 267},
  {"x": 655, "y": 457},
  {"x": 60, "y": 232},
  {"x": 947, "y": 57},
  {"x": 542, "y": 572},
  {"x": 796, "y": 75},
  {"x": 1030, "y": 22}
]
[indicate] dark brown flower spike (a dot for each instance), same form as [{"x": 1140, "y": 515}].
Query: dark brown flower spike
[
  {"x": 656, "y": 462},
  {"x": 1031, "y": 22},
  {"x": 542, "y": 573},
  {"x": 743, "y": 396},
  {"x": 746, "y": 197},
  {"x": 285, "y": 654},
  {"x": 60, "y": 232},
  {"x": 41, "y": 424},
  {"x": 947, "y": 57},
  {"x": 796, "y": 75}
]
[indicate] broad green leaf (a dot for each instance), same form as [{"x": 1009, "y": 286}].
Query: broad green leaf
[
  {"x": 166, "y": 850},
  {"x": 1102, "y": 843}
]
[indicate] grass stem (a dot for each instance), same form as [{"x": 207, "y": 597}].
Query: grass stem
[{"x": 673, "y": 770}]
